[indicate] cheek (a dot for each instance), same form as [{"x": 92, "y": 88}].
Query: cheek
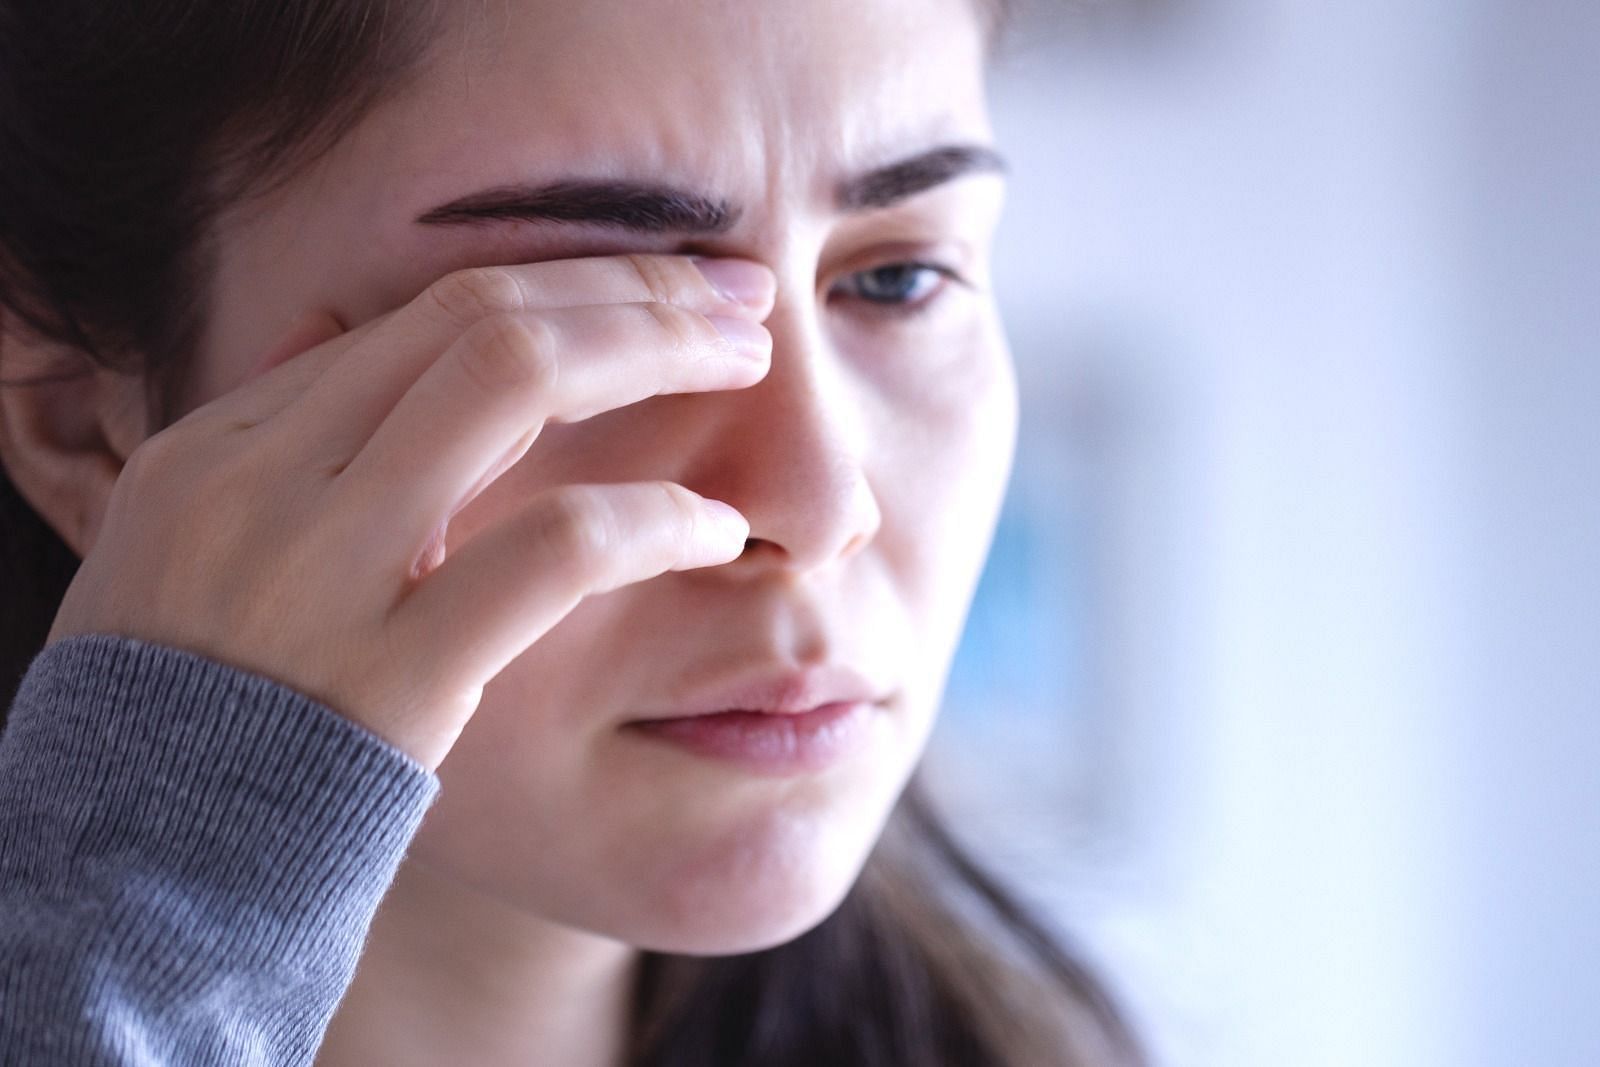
[
  {"x": 946, "y": 392},
  {"x": 944, "y": 454}
]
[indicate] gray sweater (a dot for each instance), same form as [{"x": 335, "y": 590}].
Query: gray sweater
[{"x": 190, "y": 858}]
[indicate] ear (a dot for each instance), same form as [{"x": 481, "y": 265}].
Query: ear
[{"x": 65, "y": 437}]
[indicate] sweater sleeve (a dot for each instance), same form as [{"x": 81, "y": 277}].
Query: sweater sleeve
[{"x": 190, "y": 858}]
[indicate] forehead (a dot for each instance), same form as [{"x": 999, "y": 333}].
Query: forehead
[
  {"x": 767, "y": 104},
  {"x": 759, "y": 99}
]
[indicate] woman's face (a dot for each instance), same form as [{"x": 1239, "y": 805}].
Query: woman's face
[{"x": 870, "y": 461}]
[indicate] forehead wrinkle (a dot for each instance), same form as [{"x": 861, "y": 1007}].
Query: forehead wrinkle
[{"x": 769, "y": 124}]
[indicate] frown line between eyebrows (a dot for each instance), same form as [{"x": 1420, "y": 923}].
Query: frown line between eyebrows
[{"x": 649, "y": 208}]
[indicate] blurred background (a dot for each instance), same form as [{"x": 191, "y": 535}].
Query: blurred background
[{"x": 1282, "y": 689}]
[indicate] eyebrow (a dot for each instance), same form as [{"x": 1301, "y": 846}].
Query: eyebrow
[{"x": 644, "y": 207}]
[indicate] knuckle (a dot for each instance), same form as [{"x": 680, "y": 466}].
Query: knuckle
[
  {"x": 661, "y": 279},
  {"x": 684, "y": 329},
  {"x": 579, "y": 528},
  {"x": 510, "y": 352},
  {"x": 682, "y": 504},
  {"x": 465, "y": 296},
  {"x": 152, "y": 457},
  {"x": 691, "y": 527}
]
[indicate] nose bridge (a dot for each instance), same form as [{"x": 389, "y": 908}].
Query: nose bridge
[{"x": 790, "y": 451}]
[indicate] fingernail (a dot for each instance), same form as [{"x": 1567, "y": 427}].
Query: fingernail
[
  {"x": 738, "y": 280},
  {"x": 749, "y": 338},
  {"x": 726, "y": 518},
  {"x": 721, "y": 541}
]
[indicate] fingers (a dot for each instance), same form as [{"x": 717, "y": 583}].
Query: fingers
[
  {"x": 481, "y": 404},
  {"x": 510, "y": 584},
  {"x": 312, "y": 328},
  {"x": 284, "y": 371},
  {"x": 354, "y": 395},
  {"x": 317, "y": 341}
]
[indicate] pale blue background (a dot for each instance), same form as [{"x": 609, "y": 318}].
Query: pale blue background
[{"x": 1282, "y": 685}]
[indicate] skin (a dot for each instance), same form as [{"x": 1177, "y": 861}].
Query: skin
[{"x": 869, "y": 458}]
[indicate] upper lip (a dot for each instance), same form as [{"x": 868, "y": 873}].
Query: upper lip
[{"x": 777, "y": 691}]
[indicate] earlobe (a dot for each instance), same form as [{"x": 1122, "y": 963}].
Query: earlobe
[{"x": 66, "y": 428}]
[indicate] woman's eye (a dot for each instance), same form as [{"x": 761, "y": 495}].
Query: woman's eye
[{"x": 898, "y": 287}]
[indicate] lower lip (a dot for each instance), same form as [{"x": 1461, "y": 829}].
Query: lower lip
[{"x": 768, "y": 744}]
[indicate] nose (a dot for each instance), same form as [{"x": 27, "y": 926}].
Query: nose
[{"x": 789, "y": 452}]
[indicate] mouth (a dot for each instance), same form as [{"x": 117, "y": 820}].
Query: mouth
[
  {"x": 770, "y": 743},
  {"x": 772, "y": 721},
  {"x": 777, "y": 691}
]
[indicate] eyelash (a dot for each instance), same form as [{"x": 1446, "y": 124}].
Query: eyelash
[{"x": 901, "y": 308}]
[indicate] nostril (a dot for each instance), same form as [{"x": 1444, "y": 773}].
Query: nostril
[{"x": 758, "y": 545}]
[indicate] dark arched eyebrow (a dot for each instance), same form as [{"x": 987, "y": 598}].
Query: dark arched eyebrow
[
  {"x": 890, "y": 184},
  {"x": 647, "y": 208}
]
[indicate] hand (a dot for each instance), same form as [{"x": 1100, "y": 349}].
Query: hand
[{"x": 294, "y": 527}]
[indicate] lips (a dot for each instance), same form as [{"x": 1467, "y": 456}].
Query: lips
[{"x": 776, "y": 691}]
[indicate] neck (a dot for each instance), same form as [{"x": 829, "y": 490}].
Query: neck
[{"x": 449, "y": 975}]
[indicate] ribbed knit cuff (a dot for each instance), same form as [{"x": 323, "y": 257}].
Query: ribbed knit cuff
[{"x": 145, "y": 769}]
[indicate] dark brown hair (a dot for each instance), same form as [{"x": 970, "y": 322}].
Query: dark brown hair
[{"x": 125, "y": 129}]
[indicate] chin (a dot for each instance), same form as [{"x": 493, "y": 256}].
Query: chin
[{"x": 751, "y": 891}]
